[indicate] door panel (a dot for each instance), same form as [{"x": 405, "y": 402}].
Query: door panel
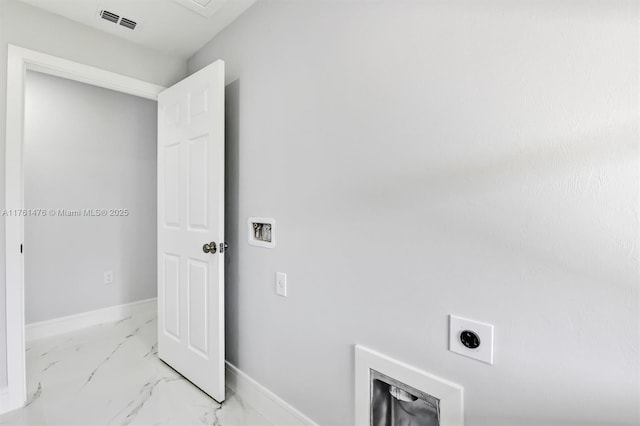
[
  {"x": 191, "y": 214},
  {"x": 172, "y": 185},
  {"x": 171, "y": 295},
  {"x": 198, "y": 103},
  {"x": 197, "y": 307},
  {"x": 198, "y": 183}
]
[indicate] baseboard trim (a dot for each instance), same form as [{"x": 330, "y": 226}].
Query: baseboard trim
[
  {"x": 56, "y": 326},
  {"x": 270, "y": 405},
  {"x": 9, "y": 401}
]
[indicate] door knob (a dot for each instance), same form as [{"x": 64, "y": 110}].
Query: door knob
[{"x": 209, "y": 248}]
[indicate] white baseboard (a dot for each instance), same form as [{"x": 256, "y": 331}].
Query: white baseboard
[
  {"x": 270, "y": 405},
  {"x": 9, "y": 401},
  {"x": 56, "y": 326}
]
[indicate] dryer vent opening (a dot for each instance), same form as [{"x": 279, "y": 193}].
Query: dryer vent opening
[{"x": 394, "y": 403}]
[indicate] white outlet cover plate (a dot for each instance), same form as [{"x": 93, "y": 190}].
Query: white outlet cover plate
[{"x": 484, "y": 352}]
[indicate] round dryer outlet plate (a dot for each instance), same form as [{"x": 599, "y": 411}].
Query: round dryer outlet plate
[{"x": 471, "y": 338}]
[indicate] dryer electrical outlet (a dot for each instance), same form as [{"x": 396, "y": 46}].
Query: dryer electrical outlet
[{"x": 471, "y": 338}]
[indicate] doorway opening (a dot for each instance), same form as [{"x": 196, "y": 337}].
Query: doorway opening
[
  {"x": 190, "y": 217},
  {"x": 90, "y": 160},
  {"x": 21, "y": 60}
]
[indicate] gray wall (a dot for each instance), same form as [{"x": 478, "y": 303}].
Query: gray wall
[
  {"x": 87, "y": 148},
  {"x": 436, "y": 157},
  {"x": 32, "y": 28}
]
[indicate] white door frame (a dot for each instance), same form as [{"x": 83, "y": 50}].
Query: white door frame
[{"x": 18, "y": 62}]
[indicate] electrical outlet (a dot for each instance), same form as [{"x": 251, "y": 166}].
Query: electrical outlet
[
  {"x": 471, "y": 338},
  {"x": 281, "y": 284},
  {"x": 108, "y": 277}
]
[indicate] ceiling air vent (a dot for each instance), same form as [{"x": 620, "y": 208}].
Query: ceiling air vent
[
  {"x": 128, "y": 23},
  {"x": 109, "y": 16},
  {"x": 119, "y": 20}
]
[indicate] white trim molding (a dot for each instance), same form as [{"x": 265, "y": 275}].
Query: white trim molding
[
  {"x": 53, "y": 327},
  {"x": 449, "y": 394},
  {"x": 19, "y": 60},
  {"x": 271, "y": 406}
]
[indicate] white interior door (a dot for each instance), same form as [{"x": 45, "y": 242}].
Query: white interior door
[{"x": 190, "y": 215}]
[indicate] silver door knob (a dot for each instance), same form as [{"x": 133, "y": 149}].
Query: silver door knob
[{"x": 209, "y": 248}]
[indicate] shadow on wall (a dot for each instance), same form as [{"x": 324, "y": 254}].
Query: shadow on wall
[{"x": 231, "y": 199}]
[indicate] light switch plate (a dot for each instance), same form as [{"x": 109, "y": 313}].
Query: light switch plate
[
  {"x": 483, "y": 331},
  {"x": 281, "y": 284}
]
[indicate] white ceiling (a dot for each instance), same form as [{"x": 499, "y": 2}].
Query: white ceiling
[{"x": 174, "y": 27}]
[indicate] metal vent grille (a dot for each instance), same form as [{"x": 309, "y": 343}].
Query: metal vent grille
[
  {"x": 128, "y": 23},
  {"x": 118, "y": 19},
  {"x": 109, "y": 16}
]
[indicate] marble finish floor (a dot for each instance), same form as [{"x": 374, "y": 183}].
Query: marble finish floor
[{"x": 110, "y": 375}]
